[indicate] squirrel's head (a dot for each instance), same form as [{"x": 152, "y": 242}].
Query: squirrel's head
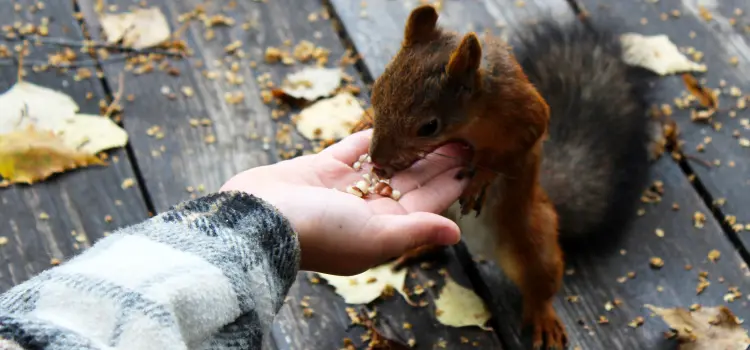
[{"x": 423, "y": 98}]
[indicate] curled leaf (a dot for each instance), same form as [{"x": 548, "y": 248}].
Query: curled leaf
[
  {"x": 656, "y": 53},
  {"x": 704, "y": 95},
  {"x": 140, "y": 29},
  {"x": 704, "y": 328}
]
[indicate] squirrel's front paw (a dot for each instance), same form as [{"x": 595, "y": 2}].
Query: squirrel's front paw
[
  {"x": 473, "y": 195},
  {"x": 548, "y": 330}
]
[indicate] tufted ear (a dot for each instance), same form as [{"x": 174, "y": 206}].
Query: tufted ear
[
  {"x": 466, "y": 57},
  {"x": 421, "y": 24}
]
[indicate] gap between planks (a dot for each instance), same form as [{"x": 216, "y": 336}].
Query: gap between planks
[
  {"x": 110, "y": 96},
  {"x": 685, "y": 166}
]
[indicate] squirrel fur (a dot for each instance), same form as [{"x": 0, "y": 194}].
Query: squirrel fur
[
  {"x": 595, "y": 161},
  {"x": 558, "y": 130}
]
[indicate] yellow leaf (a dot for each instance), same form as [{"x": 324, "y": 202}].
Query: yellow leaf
[
  {"x": 460, "y": 307},
  {"x": 331, "y": 118},
  {"x": 369, "y": 285},
  {"x": 312, "y": 83},
  {"x": 26, "y": 104},
  {"x": 656, "y": 53},
  {"x": 704, "y": 328},
  {"x": 30, "y": 156},
  {"x": 92, "y": 133},
  {"x": 140, "y": 29}
]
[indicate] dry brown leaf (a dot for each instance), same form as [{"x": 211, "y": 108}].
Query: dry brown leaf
[
  {"x": 656, "y": 53},
  {"x": 369, "y": 285},
  {"x": 458, "y": 306},
  {"x": 312, "y": 83},
  {"x": 26, "y": 104},
  {"x": 331, "y": 118},
  {"x": 376, "y": 339},
  {"x": 366, "y": 122},
  {"x": 704, "y": 95},
  {"x": 139, "y": 29},
  {"x": 31, "y": 155},
  {"x": 706, "y": 328}
]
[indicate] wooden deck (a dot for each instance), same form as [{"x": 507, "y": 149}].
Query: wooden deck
[{"x": 59, "y": 217}]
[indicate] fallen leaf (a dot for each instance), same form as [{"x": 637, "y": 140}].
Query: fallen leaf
[
  {"x": 705, "y": 328},
  {"x": 93, "y": 134},
  {"x": 139, "y": 29},
  {"x": 366, "y": 121},
  {"x": 369, "y": 285},
  {"x": 312, "y": 83},
  {"x": 656, "y": 53},
  {"x": 331, "y": 118},
  {"x": 457, "y": 306},
  {"x": 26, "y": 104},
  {"x": 32, "y": 155},
  {"x": 703, "y": 94},
  {"x": 376, "y": 338}
]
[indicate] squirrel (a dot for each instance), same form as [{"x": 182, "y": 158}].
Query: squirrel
[{"x": 558, "y": 131}]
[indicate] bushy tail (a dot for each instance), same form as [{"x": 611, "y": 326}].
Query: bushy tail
[{"x": 596, "y": 158}]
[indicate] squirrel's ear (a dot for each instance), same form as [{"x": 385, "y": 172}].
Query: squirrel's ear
[
  {"x": 421, "y": 25},
  {"x": 466, "y": 58}
]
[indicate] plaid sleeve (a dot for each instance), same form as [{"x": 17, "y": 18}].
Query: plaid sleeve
[{"x": 211, "y": 273}]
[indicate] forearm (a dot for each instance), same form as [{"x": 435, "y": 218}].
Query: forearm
[{"x": 211, "y": 272}]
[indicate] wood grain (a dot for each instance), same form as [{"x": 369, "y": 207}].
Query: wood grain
[
  {"x": 76, "y": 202},
  {"x": 720, "y": 43},
  {"x": 188, "y": 161},
  {"x": 375, "y": 30},
  {"x": 395, "y": 319},
  {"x": 182, "y": 159}
]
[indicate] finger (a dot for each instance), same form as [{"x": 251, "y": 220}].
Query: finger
[
  {"x": 397, "y": 234},
  {"x": 434, "y": 164},
  {"x": 350, "y": 148},
  {"x": 436, "y": 195}
]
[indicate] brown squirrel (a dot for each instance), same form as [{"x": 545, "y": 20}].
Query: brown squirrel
[{"x": 558, "y": 133}]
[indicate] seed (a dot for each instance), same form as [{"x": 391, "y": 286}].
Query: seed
[
  {"x": 355, "y": 191},
  {"x": 363, "y": 186},
  {"x": 395, "y": 195},
  {"x": 383, "y": 189}
]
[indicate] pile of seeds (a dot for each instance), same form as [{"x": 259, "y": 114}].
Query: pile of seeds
[{"x": 371, "y": 183}]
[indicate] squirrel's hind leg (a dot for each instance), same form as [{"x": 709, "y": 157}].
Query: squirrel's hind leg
[{"x": 533, "y": 260}]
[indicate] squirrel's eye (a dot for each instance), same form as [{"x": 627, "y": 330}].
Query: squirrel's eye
[{"x": 429, "y": 129}]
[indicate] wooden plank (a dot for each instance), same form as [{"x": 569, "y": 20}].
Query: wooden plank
[
  {"x": 188, "y": 161},
  {"x": 720, "y": 44},
  {"x": 595, "y": 277},
  {"x": 77, "y": 202},
  {"x": 395, "y": 319},
  {"x": 173, "y": 155}
]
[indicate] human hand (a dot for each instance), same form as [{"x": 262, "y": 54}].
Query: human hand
[{"x": 343, "y": 234}]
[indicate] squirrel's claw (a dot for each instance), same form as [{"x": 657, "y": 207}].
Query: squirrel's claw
[
  {"x": 474, "y": 195},
  {"x": 548, "y": 331}
]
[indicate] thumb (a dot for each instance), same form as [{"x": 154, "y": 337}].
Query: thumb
[{"x": 397, "y": 234}]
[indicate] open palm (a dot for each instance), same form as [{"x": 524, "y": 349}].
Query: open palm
[{"x": 341, "y": 233}]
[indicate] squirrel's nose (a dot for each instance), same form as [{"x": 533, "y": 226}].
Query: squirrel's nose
[{"x": 382, "y": 171}]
